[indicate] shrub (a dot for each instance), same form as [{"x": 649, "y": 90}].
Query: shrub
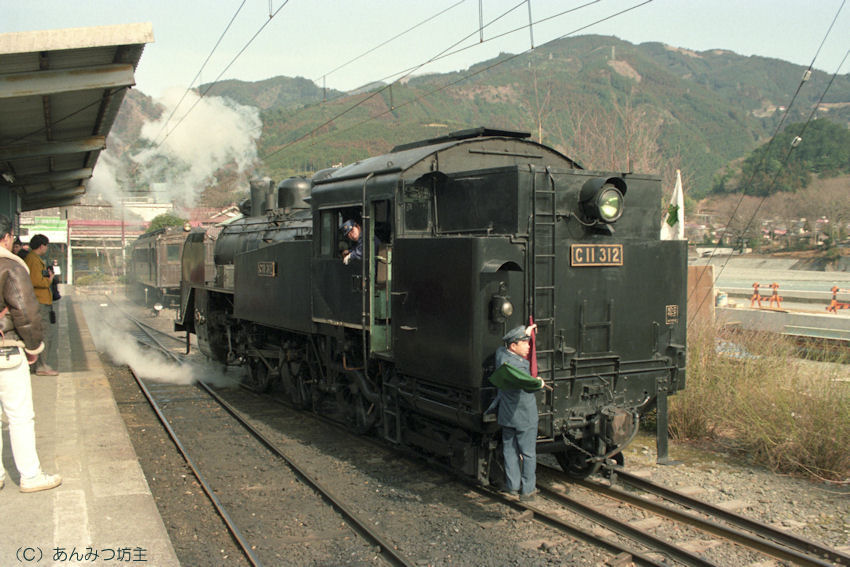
[
  {"x": 759, "y": 399},
  {"x": 691, "y": 410}
]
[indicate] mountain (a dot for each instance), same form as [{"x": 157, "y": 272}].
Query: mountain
[
  {"x": 276, "y": 92},
  {"x": 603, "y": 101}
]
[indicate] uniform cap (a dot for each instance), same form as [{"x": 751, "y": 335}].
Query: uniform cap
[
  {"x": 515, "y": 335},
  {"x": 347, "y": 227}
]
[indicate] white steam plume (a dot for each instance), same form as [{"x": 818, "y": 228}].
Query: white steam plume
[
  {"x": 106, "y": 179},
  {"x": 122, "y": 348},
  {"x": 203, "y": 135}
]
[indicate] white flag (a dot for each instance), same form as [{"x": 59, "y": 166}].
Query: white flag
[{"x": 673, "y": 225}]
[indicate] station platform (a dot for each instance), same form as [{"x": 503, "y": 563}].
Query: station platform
[{"x": 104, "y": 512}]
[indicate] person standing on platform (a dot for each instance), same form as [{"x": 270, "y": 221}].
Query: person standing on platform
[
  {"x": 20, "y": 323},
  {"x": 42, "y": 279},
  {"x": 20, "y": 248},
  {"x": 517, "y": 411}
]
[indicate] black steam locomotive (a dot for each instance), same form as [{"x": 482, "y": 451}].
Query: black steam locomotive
[{"x": 464, "y": 237}]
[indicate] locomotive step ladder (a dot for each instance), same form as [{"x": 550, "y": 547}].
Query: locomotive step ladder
[{"x": 543, "y": 266}]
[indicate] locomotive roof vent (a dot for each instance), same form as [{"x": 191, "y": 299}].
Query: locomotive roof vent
[{"x": 601, "y": 199}]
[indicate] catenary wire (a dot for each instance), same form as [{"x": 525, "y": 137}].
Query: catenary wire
[
  {"x": 445, "y": 54},
  {"x": 489, "y": 67},
  {"x": 223, "y": 71},
  {"x": 464, "y": 78},
  {"x": 803, "y": 80},
  {"x": 271, "y": 15},
  {"x": 381, "y": 90},
  {"x": 385, "y": 42},
  {"x": 781, "y": 167},
  {"x": 201, "y": 70}
]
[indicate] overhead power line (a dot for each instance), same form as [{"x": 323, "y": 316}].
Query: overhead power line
[
  {"x": 393, "y": 38},
  {"x": 803, "y": 80},
  {"x": 201, "y": 70},
  {"x": 223, "y": 71},
  {"x": 462, "y": 79}
]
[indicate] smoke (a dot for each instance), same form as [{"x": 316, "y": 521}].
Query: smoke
[
  {"x": 106, "y": 178},
  {"x": 123, "y": 349},
  {"x": 186, "y": 148}
]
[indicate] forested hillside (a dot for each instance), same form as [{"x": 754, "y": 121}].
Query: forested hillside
[
  {"x": 605, "y": 102},
  {"x": 802, "y": 151}
]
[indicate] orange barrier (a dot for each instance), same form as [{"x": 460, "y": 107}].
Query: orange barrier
[
  {"x": 775, "y": 297},
  {"x": 774, "y": 301},
  {"x": 834, "y": 305},
  {"x": 756, "y": 296}
]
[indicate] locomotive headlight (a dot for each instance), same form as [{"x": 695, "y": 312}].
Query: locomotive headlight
[
  {"x": 610, "y": 204},
  {"x": 602, "y": 199},
  {"x": 500, "y": 308}
]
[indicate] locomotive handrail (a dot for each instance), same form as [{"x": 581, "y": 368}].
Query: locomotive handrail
[{"x": 367, "y": 234}]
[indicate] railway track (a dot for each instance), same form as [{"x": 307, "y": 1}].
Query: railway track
[
  {"x": 684, "y": 509},
  {"x": 622, "y": 541},
  {"x": 169, "y": 402}
]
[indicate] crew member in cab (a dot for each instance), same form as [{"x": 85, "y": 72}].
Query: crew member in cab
[{"x": 352, "y": 231}]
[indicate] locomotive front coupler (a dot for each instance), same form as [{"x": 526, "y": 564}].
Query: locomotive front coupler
[{"x": 615, "y": 455}]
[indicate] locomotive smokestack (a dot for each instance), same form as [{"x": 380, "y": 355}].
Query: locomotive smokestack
[{"x": 260, "y": 190}]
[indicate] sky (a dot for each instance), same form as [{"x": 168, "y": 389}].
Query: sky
[{"x": 317, "y": 39}]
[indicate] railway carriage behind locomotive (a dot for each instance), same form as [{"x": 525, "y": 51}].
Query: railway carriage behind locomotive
[
  {"x": 154, "y": 273},
  {"x": 465, "y": 236}
]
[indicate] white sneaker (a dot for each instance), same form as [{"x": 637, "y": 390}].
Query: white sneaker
[{"x": 42, "y": 481}]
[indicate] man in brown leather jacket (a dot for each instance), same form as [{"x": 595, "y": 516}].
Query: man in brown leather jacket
[{"x": 20, "y": 343}]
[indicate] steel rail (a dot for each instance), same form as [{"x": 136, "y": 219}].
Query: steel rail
[
  {"x": 638, "y": 557},
  {"x": 365, "y": 531},
  {"x": 791, "y": 542},
  {"x": 789, "y": 550},
  {"x": 180, "y": 340},
  {"x": 386, "y": 548},
  {"x": 748, "y": 539},
  {"x": 656, "y": 544},
  {"x": 220, "y": 509}
]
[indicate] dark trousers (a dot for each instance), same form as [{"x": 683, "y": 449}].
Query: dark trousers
[{"x": 520, "y": 451}]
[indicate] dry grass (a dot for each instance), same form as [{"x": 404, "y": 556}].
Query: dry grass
[{"x": 786, "y": 413}]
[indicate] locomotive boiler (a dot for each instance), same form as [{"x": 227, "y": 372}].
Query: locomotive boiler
[{"x": 464, "y": 237}]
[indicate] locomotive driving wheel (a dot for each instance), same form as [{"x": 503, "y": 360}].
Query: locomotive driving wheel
[
  {"x": 259, "y": 377},
  {"x": 295, "y": 377},
  {"x": 359, "y": 411},
  {"x": 577, "y": 461}
]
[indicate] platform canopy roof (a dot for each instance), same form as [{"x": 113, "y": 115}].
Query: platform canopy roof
[{"x": 60, "y": 91}]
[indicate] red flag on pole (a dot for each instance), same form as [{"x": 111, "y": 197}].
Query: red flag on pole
[{"x": 532, "y": 354}]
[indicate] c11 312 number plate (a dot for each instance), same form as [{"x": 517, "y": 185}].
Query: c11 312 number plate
[{"x": 596, "y": 255}]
